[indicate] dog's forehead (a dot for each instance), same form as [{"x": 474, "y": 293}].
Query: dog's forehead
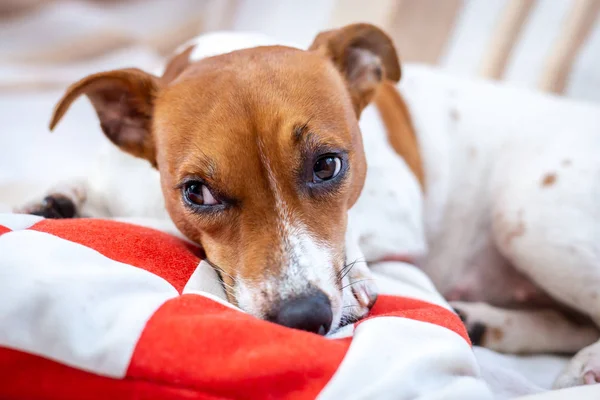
[
  {"x": 265, "y": 91},
  {"x": 263, "y": 72}
]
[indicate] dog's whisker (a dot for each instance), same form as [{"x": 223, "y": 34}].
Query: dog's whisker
[
  {"x": 345, "y": 273},
  {"x": 347, "y": 268},
  {"x": 355, "y": 282},
  {"x": 225, "y": 285},
  {"x": 358, "y": 260},
  {"x": 220, "y": 270}
]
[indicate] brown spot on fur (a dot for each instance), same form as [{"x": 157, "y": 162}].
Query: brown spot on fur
[
  {"x": 549, "y": 179},
  {"x": 472, "y": 152},
  {"x": 400, "y": 131},
  {"x": 496, "y": 334}
]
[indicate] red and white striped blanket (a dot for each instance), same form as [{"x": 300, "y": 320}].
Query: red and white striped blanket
[{"x": 98, "y": 309}]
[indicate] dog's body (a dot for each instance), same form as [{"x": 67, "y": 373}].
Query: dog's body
[{"x": 496, "y": 196}]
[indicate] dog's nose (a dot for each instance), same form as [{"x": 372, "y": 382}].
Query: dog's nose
[{"x": 310, "y": 313}]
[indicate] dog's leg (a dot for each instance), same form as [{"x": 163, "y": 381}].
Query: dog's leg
[
  {"x": 62, "y": 201},
  {"x": 584, "y": 368},
  {"x": 67, "y": 200},
  {"x": 546, "y": 222},
  {"x": 524, "y": 331},
  {"x": 109, "y": 189}
]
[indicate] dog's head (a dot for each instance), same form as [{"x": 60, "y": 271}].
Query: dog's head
[{"x": 260, "y": 157}]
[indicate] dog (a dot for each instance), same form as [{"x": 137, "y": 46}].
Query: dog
[
  {"x": 263, "y": 180},
  {"x": 261, "y": 152}
]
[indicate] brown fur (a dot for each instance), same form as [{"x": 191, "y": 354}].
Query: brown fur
[
  {"x": 231, "y": 129},
  {"x": 401, "y": 133},
  {"x": 549, "y": 179},
  {"x": 344, "y": 47},
  {"x": 124, "y": 102}
]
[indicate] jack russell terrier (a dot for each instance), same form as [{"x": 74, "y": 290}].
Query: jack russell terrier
[{"x": 494, "y": 192}]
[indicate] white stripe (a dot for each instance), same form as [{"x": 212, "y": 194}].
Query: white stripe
[
  {"x": 69, "y": 303},
  {"x": 398, "y": 358},
  {"x": 205, "y": 281},
  {"x": 342, "y": 333},
  {"x": 19, "y": 221}
]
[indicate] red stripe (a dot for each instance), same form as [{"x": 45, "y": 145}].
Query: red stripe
[
  {"x": 404, "y": 307},
  {"x": 155, "y": 251},
  {"x": 4, "y": 229},
  {"x": 26, "y": 376},
  {"x": 210, "y": 347}
]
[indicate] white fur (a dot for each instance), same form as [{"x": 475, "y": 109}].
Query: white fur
[
  {"x": 216, "y": 43},
  {"x": 308, "y": 263},
  {"x": 487, "y": 147},
  {"x": 492, "y": 223}
]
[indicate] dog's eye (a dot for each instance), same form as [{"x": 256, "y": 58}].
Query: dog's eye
[
  {"x": 198, "y": 194},
  {"x": 326, "y": 168}
]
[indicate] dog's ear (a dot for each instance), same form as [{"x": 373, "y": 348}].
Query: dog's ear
[
  {"x": 364, "y": 55},
  {"x": 124, "y": 102}
]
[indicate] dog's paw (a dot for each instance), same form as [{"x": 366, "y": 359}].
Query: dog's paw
[
  {"x": 474, "y": 319},
  {"x": 488, "y": 326},
  {"x": 55, "y": 206},
  {"x": 583, "y": 369}
]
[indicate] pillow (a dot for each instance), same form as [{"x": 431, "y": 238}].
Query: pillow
[{"x": 101, "y": 309}]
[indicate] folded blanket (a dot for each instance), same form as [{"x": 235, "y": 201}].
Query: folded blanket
[{"x": 100, "y": 309}]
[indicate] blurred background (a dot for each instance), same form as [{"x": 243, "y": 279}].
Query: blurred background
[{"x": 546, "y": 45}]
